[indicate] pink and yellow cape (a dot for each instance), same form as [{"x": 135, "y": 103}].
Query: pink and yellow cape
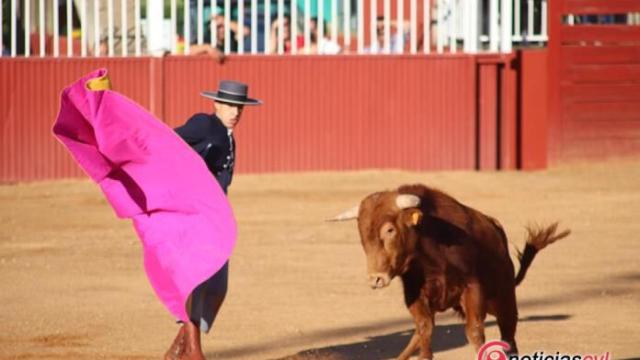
[{"x": 150, "y": 175}]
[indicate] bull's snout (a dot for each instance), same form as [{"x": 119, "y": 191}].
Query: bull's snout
[{"x": 379, "y": 280}]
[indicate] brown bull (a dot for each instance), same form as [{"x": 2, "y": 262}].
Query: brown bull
[{"x": 448, "y": 256}]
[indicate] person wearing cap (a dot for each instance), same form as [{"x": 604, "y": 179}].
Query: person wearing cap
[{"x": 211, "y": 136}]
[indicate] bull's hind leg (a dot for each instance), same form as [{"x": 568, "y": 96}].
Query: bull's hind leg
[
  {"x": 473, "y": 304},
  {"x": 507, "y": 317}
]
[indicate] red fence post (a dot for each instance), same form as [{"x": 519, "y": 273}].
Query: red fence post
[
  {"x": 533, "y": 110},
  {"x": 554, "y": 19},
  {"x": 487, "y": 123},
  {"x": 508, "y": 133}
]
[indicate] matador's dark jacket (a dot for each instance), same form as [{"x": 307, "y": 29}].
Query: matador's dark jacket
[{"x": 214, "y": 142}]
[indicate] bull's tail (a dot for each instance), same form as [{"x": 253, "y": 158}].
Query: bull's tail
[{"x": 537, "y": 240}]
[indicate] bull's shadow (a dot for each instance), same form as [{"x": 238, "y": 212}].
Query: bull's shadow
[{"x": 445, "y": 337}]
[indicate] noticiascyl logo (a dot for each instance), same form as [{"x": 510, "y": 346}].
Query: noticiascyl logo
[{"x": 494, "y": 350}]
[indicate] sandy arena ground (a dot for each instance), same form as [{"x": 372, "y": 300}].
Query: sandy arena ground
[{"x": 72, "y": 284}]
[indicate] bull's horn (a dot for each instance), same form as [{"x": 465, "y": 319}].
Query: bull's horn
[
  {"x": 347, "y": 215},
  {"x": 404, "y": 201}
]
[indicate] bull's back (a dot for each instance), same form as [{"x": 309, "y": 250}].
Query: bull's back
[
  {"x": 483, "y": 231},
  {"x": 477, "y": 225}
]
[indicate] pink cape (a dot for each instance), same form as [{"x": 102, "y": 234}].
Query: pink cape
[{"x": 150, "y": 175}]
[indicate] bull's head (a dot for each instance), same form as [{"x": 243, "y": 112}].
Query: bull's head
[{"x": 386, "y": 221}]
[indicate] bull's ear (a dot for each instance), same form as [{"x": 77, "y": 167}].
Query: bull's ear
[{"x": 414, "y": 216}]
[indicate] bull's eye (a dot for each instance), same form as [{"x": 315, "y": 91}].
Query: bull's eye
[{"x": 387, "y": 231}]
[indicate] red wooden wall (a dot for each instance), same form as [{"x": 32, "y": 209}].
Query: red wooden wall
[
  {"x": 594, "y": 82},
  {"x": 330, "y": 113},
  {"x": 319, "y": 113},
  {"x": 29, "y": 101}
]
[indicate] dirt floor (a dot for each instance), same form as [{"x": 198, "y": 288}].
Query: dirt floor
[{"x": 72, "y": 284}]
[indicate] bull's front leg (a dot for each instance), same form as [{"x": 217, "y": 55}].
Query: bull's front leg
[{"x": 421, "y": 339}]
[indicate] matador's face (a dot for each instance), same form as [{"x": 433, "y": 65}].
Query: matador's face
[{"x": 228, "y": 113}]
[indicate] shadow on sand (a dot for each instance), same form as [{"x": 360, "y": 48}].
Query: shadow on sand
[{"x": 445, "y": 337}]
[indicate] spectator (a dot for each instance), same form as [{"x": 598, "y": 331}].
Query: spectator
[
  {"x": 399, "y": 36},
  {"x": 285, "y": 27},
  {"x": 6, "y": 29},
  {"x": 260, "y": 26},
  {"x": 215, "y": 25},
  {"x": 217, "y": 48},
  {"x": 326, "y": 46}
]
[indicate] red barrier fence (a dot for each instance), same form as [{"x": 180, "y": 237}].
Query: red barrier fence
[
  {"x": 328, "y": 113},
  {"x": 319, "y": 113}
]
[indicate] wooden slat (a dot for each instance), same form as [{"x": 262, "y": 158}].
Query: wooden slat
[
  {"x": 600, "y": 54},
  {"x": 600, "y": 149},
  {"x": 601, "y": 92},
  {"x": 609, "y": 33},
  {"x": 618, "y": 109},
  {"x": 602, "y": 123},
  {"x": 616, "y": 134},
  {"x": 588, "y": 125},
  {"x": 599, "y": 6},
  {"x": 622, "y": 73},
  {"x": 617, "y": 120}
]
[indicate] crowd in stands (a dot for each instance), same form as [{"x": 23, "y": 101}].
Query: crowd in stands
[{"x": 211, "y": 22}]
